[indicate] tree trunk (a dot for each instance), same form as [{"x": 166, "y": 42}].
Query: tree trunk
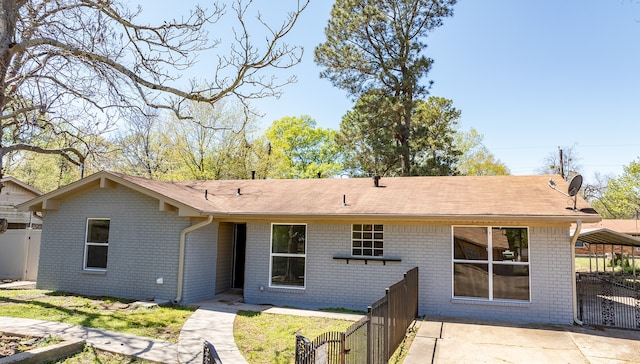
[
  {"x": 405, "y": 137},
  {"x": 7, "y": 40}
]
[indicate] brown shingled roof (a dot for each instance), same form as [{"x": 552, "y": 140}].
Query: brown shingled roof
[
  {"x": 515, "y": 196},
  {"x": 409, "y": 198},
  {"x": 626, "y": 226}
]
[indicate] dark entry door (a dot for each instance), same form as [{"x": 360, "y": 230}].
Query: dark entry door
[{"x": 239, "y": 249}]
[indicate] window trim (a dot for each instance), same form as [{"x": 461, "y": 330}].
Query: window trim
[
  {"x": 490, "y": 262},
  {"x": 373, "y": 249},
  {"x": 289, "y": 255},
  {"x": 87, "y": 244}
]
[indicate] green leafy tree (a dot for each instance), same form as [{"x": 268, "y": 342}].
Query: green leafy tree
[
  {"x": 142, "y": 149},
  {"x": 211, "y": 145},
  {"x": 432, "y": 148},
  {"x": 48, "y": 171},
  {"x": 44, "y": 172},
  {"x": 381, "y": 45},
  {"x": 368, "y": 137},
  {"x": 621, "y": 198},
  {"x": 300, "y": 149},
  {"x": 476, "y": 159},
  {"x": 216, "y": 143}
]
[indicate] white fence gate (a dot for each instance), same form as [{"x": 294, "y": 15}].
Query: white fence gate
[{"x": 19, "y": 254}]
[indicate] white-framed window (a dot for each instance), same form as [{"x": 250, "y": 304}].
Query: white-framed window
[
  {"x": 367, "y": 240},
  {"x": 491, "y": 263},
  {"x": 288, "y": 255},
  {"x": 580, "y": 244},
  {"x": 96, "y": 247}
]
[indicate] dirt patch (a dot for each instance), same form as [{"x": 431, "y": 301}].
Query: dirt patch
[
  {"x": 11, "y": 344},
  {"x": 116, "y": 306}
]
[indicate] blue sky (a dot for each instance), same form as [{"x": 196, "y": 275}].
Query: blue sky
[{"x": 529, "y": 75}]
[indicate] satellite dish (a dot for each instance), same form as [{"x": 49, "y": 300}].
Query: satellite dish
[
  {"x": 574, "y": 185},
  {"x": 572, "y": 191}
]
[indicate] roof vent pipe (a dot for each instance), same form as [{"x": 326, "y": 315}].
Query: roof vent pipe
[
  {"x": 206, "y": 193},
  {"x": 376, "y": 181},
  {"x": 253, "y": 174},
  {"x": 319, "y": 174},
  {"x": 238, "y": 194},
  {"x": 344, "y": 200}
]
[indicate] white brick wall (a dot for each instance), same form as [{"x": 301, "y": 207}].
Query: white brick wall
[
  {"x": 334, "y": 283},
  {"x": 329, "y": 283},
  {"x": 200, "y": 264},
  {"x": 143, "y": 246}
]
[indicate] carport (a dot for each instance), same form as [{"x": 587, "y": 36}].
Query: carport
[{"x": 608, "y": 290}]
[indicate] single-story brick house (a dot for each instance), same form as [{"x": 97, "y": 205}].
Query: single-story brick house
[{"x": 494, "y": 247}]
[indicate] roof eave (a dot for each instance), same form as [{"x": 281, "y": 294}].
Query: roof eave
[
  {"x": 608, "y": 236},
  {"x": 18, "y": 182},
  {"x": 448, "y": 218}
]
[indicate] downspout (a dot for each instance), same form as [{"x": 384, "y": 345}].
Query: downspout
[
  {"x": 27, "y": 243},
  {"x": 574, "y": 238},
  {"x": 183, "y": 241}
]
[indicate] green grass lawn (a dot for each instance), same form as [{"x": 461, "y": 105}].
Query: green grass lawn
[
  {"x": 161, "y": 322},
  {"x": 582, "y": 265},
  {"x": 270, "y": 338}
]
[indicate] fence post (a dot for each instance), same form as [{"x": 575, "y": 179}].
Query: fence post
[
  {"x": 417, "y": 291},
  {"x": 387, "y": 326},
  {"x": 343, "y": 350},
  {"x": 304, "y": 353},
  {"x": 369, "y": 336},
  {"x": 209, "y": 354},
  {"x": 405, "y": 298}
]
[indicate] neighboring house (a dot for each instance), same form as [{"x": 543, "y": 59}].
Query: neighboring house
[
  {"x": 20, "y": 243},
  {"x": 616, "y": 236},
  {"x": 495, "y": 247}
]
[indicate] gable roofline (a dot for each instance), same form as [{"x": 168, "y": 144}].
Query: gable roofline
[
  {"x": 21, "y": 184},
  {"x": 103, "y": 179}
]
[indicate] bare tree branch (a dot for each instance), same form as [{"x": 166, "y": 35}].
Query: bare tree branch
[
  {"x": 83, "y": 64},
  {"x": 64, "y": 152}
]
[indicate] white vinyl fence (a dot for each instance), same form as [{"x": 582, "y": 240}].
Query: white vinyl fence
[{"x": 19, "y": 254}]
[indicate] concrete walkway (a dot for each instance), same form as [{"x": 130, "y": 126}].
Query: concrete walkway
[
  {"x": 450, "y": 340},
  {"x": 18, "y": 284}
]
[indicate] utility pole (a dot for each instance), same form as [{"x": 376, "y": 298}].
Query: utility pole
[{"x": 561, "y": 164}]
